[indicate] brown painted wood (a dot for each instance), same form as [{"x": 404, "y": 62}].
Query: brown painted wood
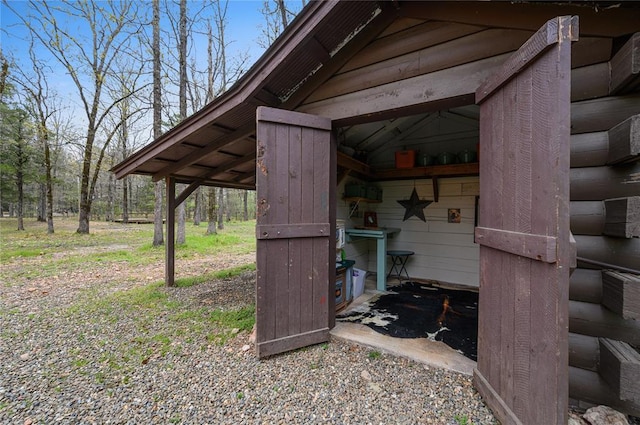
[
  {"x": 535, "y": 247},
  {"x": 328, "y": 69},
  {"x": 351, "y": 164},
  {"x": 522, "y": 338},
  {"x": 452, "y": 170},
  {"x": 170, "y": 245},
  {"x": 597, "y": 320},
  {"x": 296, "y": 174},
  {"x": 624, "y": 141},
  {"x": 434, "y": 91},
  {"x": 620, "y": 368},
  {"x": 603, "y": 113},
  {"x": 589, "y": 149},
  {"x": 616, "y": 251},
  {"x": 621, "y": 293},
  {"x": 290, "y": 231},
  {"x": 591, "y": 387},
  {"x": 242, "y": 132},
  {"x": 611, "y": 22},
  {"x": 590, "y": 82},
  {"x": 622, "y": 217},
  {"x": 586, "y": 285},
  {"x": 413, "y": 39},
  {"x": 584, "y": 351},
  {"x": 599, "y": 183},
  {"x": 397, "y": 65},
  {"x": 625, "y": 67},
  {"x": 587, "y": 217}
]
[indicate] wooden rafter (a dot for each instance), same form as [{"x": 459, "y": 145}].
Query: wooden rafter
[{"x": 245, "y": 131}]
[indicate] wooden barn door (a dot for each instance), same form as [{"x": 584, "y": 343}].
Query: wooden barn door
[
  {"x": 523, "y": 230},
  {"x": 295, "y": 180}
]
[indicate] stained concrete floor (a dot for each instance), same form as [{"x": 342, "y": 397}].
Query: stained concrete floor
[{"x": 422, "y": 350}]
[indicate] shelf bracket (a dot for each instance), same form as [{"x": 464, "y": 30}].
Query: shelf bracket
[
  {"x": 434, "y": 179},
  {"x": 355, "y": 207}
]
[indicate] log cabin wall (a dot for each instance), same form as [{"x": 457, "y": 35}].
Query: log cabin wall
[{"x": 418, "y": 66}]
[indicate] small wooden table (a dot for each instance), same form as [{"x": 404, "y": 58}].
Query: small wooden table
[{"x": 380, "y": 234}]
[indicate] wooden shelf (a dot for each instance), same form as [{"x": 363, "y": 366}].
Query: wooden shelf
[
  {"x": 453, "y": 170},
  {"x": 433, "y": 171},
  {"x": 360, "y": 199}
]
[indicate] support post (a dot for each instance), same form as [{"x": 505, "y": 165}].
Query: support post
[{"x": 169, "y": 263}]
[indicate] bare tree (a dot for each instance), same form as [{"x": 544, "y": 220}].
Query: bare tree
[
  {"x": 221, "y": 208},
  {"x": 90, "y": 63},
  {"x": 158, "y": 232},
  {"x": 277, "y": 16},
  {"x": 182, "y": 96},
  {"x": 40, "y": 107},
  {"x": 211, "y": 212}
]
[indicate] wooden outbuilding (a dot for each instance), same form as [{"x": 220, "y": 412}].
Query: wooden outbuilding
[{"x": 551, "y": 95}]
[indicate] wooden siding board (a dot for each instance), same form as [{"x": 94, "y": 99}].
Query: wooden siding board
[
  {"x": 446, "y": 85},
  {"x": 467, "y": 49},
  {"x": 412, "y": 39}
]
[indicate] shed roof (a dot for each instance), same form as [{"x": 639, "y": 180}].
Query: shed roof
[{"x": 216, "y": 145}]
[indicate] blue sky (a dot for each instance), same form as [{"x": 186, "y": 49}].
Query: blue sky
[
  {"x": 244, "y": 21},
  {"x": 244, "y": 27}
]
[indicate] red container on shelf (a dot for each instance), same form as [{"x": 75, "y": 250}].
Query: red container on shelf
[{"x": 406, "y": 159}]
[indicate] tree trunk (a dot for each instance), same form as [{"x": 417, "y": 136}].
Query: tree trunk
[
  {"x": 158, "y": 232},
  {"x": 181, "y": 233},
  {"x": 158, "y": 228},
  {"x": 42, "y": 202},
  {"x": 211, "y": 212},
  {"x": 125, "y": 200},
  {"x": 110, "y": 215},
  {"x": 197, "y": 211},
  {"x": 20, "y": 186},
  {"x": 49, "y": 184},
  {"x": 221, "y": 208},
  {"x": 282, "y": 8},
  {"x": 245, "y": 196},
  {"x": 182, "y": 64}
]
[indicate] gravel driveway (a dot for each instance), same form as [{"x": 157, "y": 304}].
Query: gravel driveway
[{"x": 106, "y": 364}]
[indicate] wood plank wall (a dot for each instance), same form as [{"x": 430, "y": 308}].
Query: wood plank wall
[{"x": 444, "y": 251}]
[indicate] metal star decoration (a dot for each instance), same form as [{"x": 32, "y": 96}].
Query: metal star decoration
[{"x": 414, "y": 206}]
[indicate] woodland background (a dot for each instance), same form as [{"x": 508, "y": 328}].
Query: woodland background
[{"x": 93, "y": 81}]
